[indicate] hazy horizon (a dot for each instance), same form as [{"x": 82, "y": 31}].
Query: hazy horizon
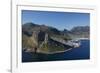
[
  {"x": 59, "y": 20},
  {"x": 58, "y": 28}
]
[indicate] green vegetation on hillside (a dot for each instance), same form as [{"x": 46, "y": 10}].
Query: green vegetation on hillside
[
  {"x": 29, "y": 42},
  {"x": 34, "y": 37}
]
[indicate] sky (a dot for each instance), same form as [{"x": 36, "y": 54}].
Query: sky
[{"x": 59, "y": 20}]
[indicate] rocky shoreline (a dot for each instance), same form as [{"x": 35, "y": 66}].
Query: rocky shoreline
[
  {"x": 72, "y": 42},
  {"x": 54, "y": 52}
]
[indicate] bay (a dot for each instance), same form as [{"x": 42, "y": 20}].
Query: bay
[{"x": 80, "y": 53}]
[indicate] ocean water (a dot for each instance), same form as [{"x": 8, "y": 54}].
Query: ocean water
[{"x": 80, "y": 53}]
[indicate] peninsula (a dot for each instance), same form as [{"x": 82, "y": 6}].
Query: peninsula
[{"x": 48, "y": 40}]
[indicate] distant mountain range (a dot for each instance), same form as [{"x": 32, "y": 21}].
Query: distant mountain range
[
  {"x": 40, "y": 38},
  {"x": 78, "y": 32}
]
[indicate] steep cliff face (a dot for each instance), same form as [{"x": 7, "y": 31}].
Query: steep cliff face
[
  {"x": 46, "y": 39},
  {"x": 38, "y": 37}
]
